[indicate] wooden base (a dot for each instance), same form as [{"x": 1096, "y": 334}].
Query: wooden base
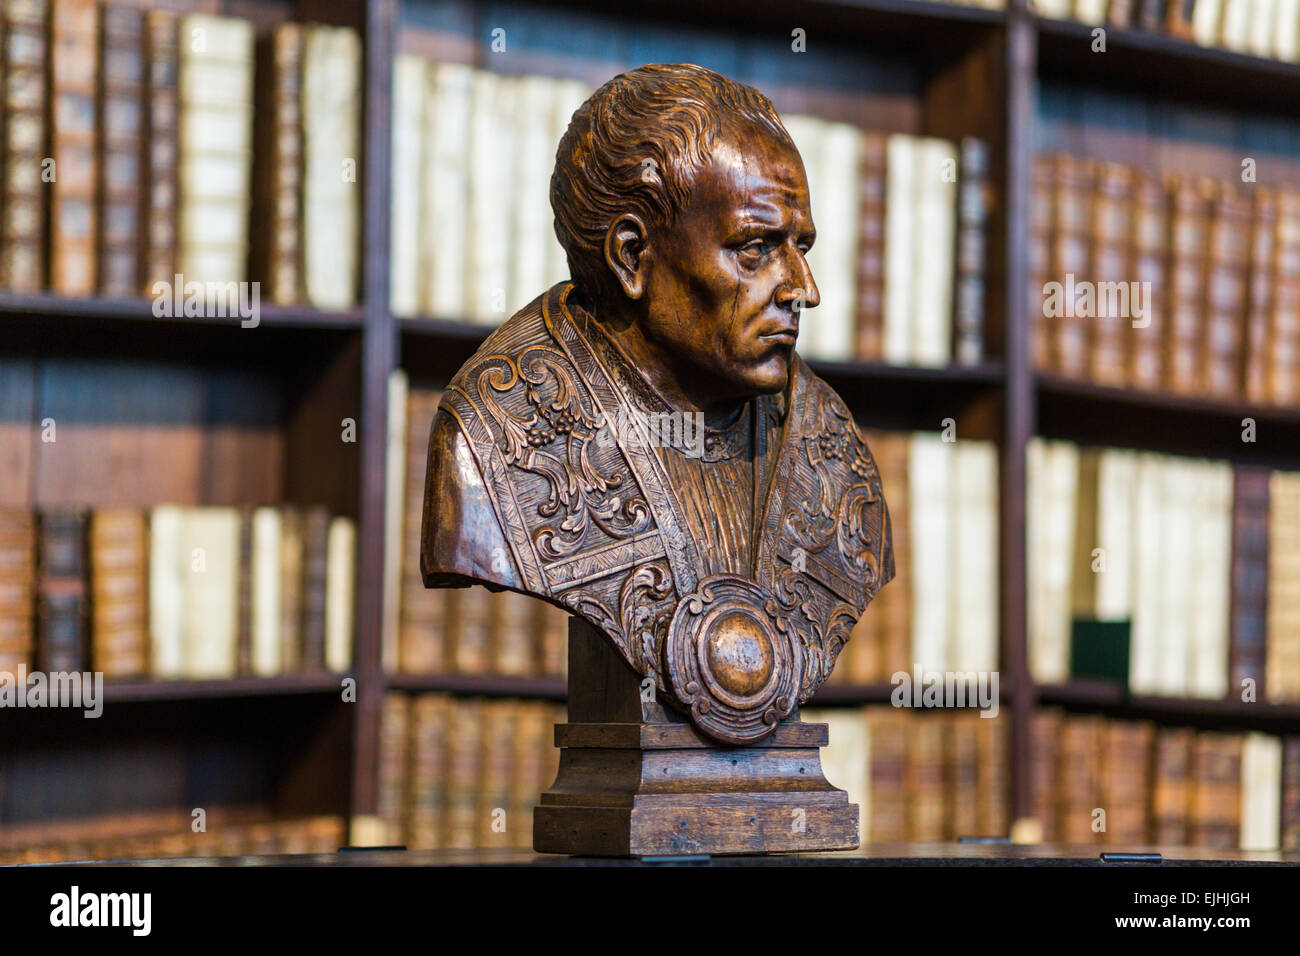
[{"x": 637, "y": 780}]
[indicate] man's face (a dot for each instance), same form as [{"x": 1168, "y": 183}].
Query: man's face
[{"x": 728, "y": 279}]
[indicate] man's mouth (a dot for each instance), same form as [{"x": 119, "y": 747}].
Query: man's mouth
[{"x": 781, "y": 337}]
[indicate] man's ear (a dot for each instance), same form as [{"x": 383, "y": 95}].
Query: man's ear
[{"x": 625, "y": 253}]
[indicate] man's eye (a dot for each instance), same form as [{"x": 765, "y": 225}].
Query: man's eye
[{"x": 757, "y": 247}]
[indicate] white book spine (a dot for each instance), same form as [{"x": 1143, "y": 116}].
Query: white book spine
[
  {"x": 1116, "y": 492},
  {"x": 211, "y": 592},
  {"x": 340, "y": 588},
  {"x": 491, "y": 153},
  {"x": 532, "y": 229},
  {"x": 1207, "y": 21},
  {"x": 1213, "y": 557},
  {"x": 394, "y": 516},
  {"x": 409, "y": 88},
  {"x": 166, "y": 593},
  {"x": 1177, "y": 572},
  {"x": 264, "y": 615},
  {"x": 975, "y": 566},
  {"x": 900, "y": 226},
  {"x": 932, "y": 252},
  {"x": 1286, "y": 30},
  {"x": 1261, "y": 792},
  {"x": 1090, "y": 11},
  {"x": 1145, "y": 648},
  {"x": 1262, "y": 23},
  {"x": 446, "y": 180},
  {"x": 1235, "y": 33},
  {"x": 929, "y": 494},
  {"x": 835, "y": 215}
]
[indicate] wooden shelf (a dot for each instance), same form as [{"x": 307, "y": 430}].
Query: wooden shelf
[
  {"x": 484, "y": 685},
  {"x": 1154, "y": 63},
  {"x": 1115, "y": 701},
  {"x": 1093, "y": 414},
  {"x": 286, "y": 684},
  {"x": 46, "y": 306}
]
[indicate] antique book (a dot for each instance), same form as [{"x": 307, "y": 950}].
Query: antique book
[
  {"x": 276, "y": 241},
  {"x": 1260, "y": 27},
  {"x": 1177, "y": 516},
  {"x": 315, "y": 585},
  {"x": 962, "y": 771},
  {"x": 1111, "y": 260},
  {"x": 1039, "y": 249},
  {"x": 1188, "y": 278},
  {"x": 428, "y": 785},
  {"x": 422, "y": 627},
  {"x": 512, "y": 634},
  {"x": 553, "y": 652},
  {"x": 827, "y": 331},
  {"x": 493, "y": 116},
  {"x": 900, "y": 231},
  {"x": 1116, "y": 484},
  {"x": 1150, "y": 246},
  {"x": 444, "y": 195},
  {"x": 120, "y": 134},
  {"x": 168, "y": 565},
  {"x": 1090, "y": 11},
  {"x": 1179, "y": 18},
  {"x": 340, "y": 593},
  {"x": 215, "y": 147},
  {"x": 1282, "y": 666},
  {"x": 887, "y": 729},
  {"x": 210, "y": 616},
  {"x": 1215, "y": 814},
  {"x": 1286, "y": 30},
  {"x": 1074, "y": 190},
  {"x": 934, "y": 241},
  {"x": 930, "y": 478},
  {"x": 1207, "y": 17},
  {"x": 17, "y": 587},
  {"x": 265, "y": 613},
  {"x": 470, "y": 632},
  {"x": 61, "y": 598},
  {"x": 74, "y": 67},
  {"x": 409, "y": 98},
  {"x": 1086, "y": 560},
  {"x": 119, "y": 592},
  {"x": 1209, "y": 580},
  {"x": 532, "y": 740},
  {"x": 1078, "y": 778},
  {"x": 331, "y": 152},
  {"x": 1226, "y": 294},
  {"x": 872, "y": 186},
  {"x": 1172, "y": 786},
  {"x": 1291, "y": 794},
  {"x": 492, "y": 817},
  {"x": 1260, "y": 294},
  {"x": 927, "y": 800},
  {"x": 531, "y": 228},
  {"x": 973, "y": 211},
  {"x": 993, "y": 770},
  {"x": 291, "y": 585},
  {"x": 1125, "y": 783},
  {"x": 1261, "y": 792},
  {"x": 1149, "y": 627},
  {"x": 1052, "y": 481},
  {"x": 974, "y": 605},
  {"x": 464, "y": 769},
  {"x": 244, "y": 637},
  {"x": 22, "y": 212},
  {"x": 161, "y": 186},
  {"x": 392, "y": 801},
  {"x": 1044, "y": 737},
  {"x": 394, "y": 502},
  {"x": 1284, "y": 331},
  {"x": 1120, "y": 13},
  {"x": 1250, "y": 521}
]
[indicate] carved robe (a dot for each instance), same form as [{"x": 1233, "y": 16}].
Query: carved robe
[{"x": 729, "y": 569}]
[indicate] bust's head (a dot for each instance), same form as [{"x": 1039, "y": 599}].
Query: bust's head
[{"x": 682, "y": 205}]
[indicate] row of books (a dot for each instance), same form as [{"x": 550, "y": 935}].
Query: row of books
[
  {"x": 899, "y": 257},
  {"x": 1177, "y": 283},
  {"x": 443, "y": 630},
  {"x": 168, "y": 835},
  {"x": 132, "y": 133},
  {"x": 1200, "y": 560},
  {"x": 462, "y": 773},
  {"x": 176, "y": 592},
  {"x": 1267, "y": 28},
  {"x": 1162, "y": 785},
  {"x": 920, "y": 777},
  {"x": 943, "y": 509}
]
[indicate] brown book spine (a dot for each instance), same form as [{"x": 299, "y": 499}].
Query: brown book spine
[
  {"x": 871, "y": 247},
  {"x": 1171, "y": 786},
  {"x": 1111, "y": 258},
  {"x": 1291, "y": 793},
  {"x": 244, "y": 638},
  {"x": 1178, "y": 19},
  {"x": 394, "y": 730},
  {"x": 26, "y": 61},
  {"x": 1044, "y": 735},
  {"x": 315, "y": 540},
  {"x": 500, "y": 725},
  {"x": 893, "y": 605},
  {"x": 464, "y": 775},
  {"x": 471, "y": 632},
  {"x": 424, "y": 616},
  {"x": 1126, "y": 781},
  {"x": 17, "y": 588},
  {"x": 531, "y": 742},
  {"x": 1188, "y": 276},
  {"x": 1151, "y": 15},
  {"x": 1078, "y": 780},
  {"x": 275, "y": 245},
  {"x": 1120, "y": 13},
  {"x": 428, "y": 787},
  {"x": 119, "y": 589},
  {"x": 1074, "y": 184},
  {"x": 963, "y": 776},
  {"x": 160, "y": 144},
  {"x": 121, "y": 137},
  {"x": 1228, "y": 260},
  {"x": 513, "y": 632},
  {"x": 74, "y": 66},
  {"x": 61, "y": 592},
  {"x": 1284, "y": 330},
  {"x": 889, "y": 756},
  {"x": 926, "y": 792},
  {"x": 1216, "y": 803},
  {"x": 1247, "y": 657},
  {"x": 1259, "y": 310},
  {"x": 291, "y": 583},
  {"x": 971, "y": 258},
  {"x": 1040, "y": 258},
  {"x": 553, "y": 642},
  {"x": 1149, "y": 246}
]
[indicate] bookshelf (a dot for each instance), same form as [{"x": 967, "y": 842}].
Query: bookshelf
[{"x": 925, "y": 67}]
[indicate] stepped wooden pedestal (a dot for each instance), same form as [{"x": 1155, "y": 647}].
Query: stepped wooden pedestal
[{"x": 635, "y": 779}]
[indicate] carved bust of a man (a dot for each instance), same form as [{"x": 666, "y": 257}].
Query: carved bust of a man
[{"x": 642, "y": 445}]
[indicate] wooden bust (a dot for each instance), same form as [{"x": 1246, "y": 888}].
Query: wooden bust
[{"x": 643, "y": 446}]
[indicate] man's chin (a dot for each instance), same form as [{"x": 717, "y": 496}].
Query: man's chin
[{"x": 771, "y": 375}]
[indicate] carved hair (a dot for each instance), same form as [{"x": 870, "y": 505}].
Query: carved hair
[{"x": 636, "y": 146}]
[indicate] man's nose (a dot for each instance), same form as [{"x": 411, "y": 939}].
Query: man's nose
[{"x": 800, "y": 284}]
